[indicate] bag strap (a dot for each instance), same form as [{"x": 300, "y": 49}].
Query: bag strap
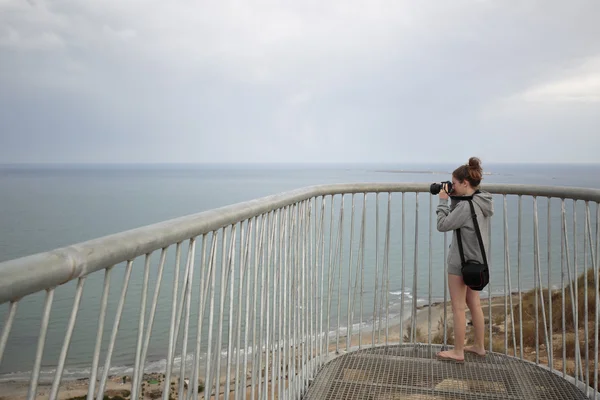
[{"x": 479, "y": 238}]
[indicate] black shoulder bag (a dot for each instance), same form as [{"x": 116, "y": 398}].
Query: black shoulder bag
[{"x": 475, "y": 274}]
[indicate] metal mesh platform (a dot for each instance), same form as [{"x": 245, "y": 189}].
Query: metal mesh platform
[{"x": 412, "y": 372}]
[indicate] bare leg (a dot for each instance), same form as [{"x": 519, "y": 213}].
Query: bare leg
[
  {"x": 474, "y": 305},
  {"x": 458, "y": 296}
]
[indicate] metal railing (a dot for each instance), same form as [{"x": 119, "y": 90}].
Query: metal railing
[{"x": 263, "y": 293}]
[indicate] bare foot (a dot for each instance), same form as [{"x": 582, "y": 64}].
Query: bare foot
[
  {"x": 451, "y": 355},
  {"x": 480, "y": 351}
]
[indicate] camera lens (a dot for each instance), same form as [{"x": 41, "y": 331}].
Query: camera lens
[{"x": 435, "y": 188}]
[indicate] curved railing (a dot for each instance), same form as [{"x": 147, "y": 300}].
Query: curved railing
[{"x": 305, "y": 275}]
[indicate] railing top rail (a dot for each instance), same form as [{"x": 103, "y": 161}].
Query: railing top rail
[
  {"x": 561, "y": 192},
  {"x": 34, "y": 273}
]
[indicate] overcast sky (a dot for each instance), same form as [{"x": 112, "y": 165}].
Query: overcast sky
[{"x": 299, "y": 81}]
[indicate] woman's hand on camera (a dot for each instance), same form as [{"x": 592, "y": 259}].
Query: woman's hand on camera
[{"x": 444, "y": 192}]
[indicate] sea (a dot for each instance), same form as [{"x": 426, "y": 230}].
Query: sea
[{"x": 43, "y": 207}]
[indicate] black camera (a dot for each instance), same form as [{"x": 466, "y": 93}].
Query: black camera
[{"x": 436, "y": 187}]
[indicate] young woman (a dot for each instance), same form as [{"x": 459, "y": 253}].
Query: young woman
[{"x": 465, "y": 184}]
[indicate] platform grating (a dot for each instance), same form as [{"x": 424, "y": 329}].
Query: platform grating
[{"x": 412, "y": 372}]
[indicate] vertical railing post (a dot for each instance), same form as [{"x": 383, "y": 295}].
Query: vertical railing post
[
  {"x": 263, "y": 297},
  {"x": 562, "y": 288},
  {"x": 519, "y": 253},
  {"x": 193, "y": 392},
  {"x": 429, "y": 316},
  {"x": 276, "y": 277},
  {"x": 211, "y": 315},
  {"x": 413, "y": 316},
  {"x": 403, "y": 282},
  {"x": 489, "y": 286},
  {"x": 310, "y": 269},
  {"x": 254, "y": 310},
  {"x": 172, "y": 340},
  {"x": 323, "y": 336},
  {"x": 330, "y": 272},
  {"x": 285, "y": 370},
  {"x": 508, "y": 268},
  {"x": 302, "y": 283},
  {"x": 267, "y": 291},
  {"x": 279, "y": 262},
  {"x": 362, "y": 267},
  {"x": 330, "y": 281},
  {"x": 101, "y": 319},
  {"x": 231, "y": 270},
  {"x": 348, "y": 307},
  {"x": 387, "y": 268},
  {"x": 585, "y": 303},
  {"x": 10, "y": 317},
  {"x": 298, "y": 356},
  {"x": 594, "y": 261},
  {"x": 244, "y": 241},
  {"x": 314, "y": 287},
  {"x": 67, "y": 341},
  {"x": 188, "y": 302},
  {"x": 578, "y": 366},
  {"x": 376, "y": 269},
  {"x": 505, "y": 275},
  {"x": 35, "y": 374},
  {"x": 597, "y": 297},
  {"x": 550, "y": 349},
  {"x": 137, "y": 374},
  {"x": 536, "y": 279},
  {"x": 339, "y": 286},
  {"x": 115, "y": 330}
]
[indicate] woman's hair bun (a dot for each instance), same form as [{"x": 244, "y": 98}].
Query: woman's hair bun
[
  {"x": 475, "y": 171},
  {"x": 474, "y": 162}
]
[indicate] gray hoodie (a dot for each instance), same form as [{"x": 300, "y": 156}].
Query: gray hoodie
[{"x": 458, "y": 215}]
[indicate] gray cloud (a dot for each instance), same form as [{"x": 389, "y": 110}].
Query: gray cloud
[{"x": 387, "y": 81}]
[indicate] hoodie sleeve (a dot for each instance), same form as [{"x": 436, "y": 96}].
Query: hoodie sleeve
[{"x": 450, "y": 220}]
